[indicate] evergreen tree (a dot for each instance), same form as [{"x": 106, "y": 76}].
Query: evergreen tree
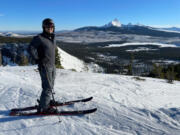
[
  {"x": 158, "y": 71},
  {"x": 58, "y": 61},
  {"x": 23, "y": 60},
  {"x": 0, "y": 58},
  {"x": 129, "y": 69},
  {"x": 170, "y": 75},
  {"x": 177, "y": 71},
  {"x": 130, "y": 66}
]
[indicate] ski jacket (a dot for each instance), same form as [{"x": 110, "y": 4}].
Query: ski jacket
[{"x": 42, "y": 49}]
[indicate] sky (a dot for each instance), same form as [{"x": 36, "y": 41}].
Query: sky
[{"x": 71, "y": 14}]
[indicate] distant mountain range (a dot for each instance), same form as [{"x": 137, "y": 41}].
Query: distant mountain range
[
  {"x": 16, "y": 34},
  {"x": 116, "y": 23},
  {"x": 113, "y": 26},
  {"x": 176, "y": 29},
  {"x": 116, "y": 26}
]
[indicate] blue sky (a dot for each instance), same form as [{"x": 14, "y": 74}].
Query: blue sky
[{"x": 71, "y": 14}]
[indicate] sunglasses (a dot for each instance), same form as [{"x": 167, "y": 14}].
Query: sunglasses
[{"x": 50, "y": 25}]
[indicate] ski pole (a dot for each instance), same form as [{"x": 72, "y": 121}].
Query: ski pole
[{"x": 55, "y": 106}]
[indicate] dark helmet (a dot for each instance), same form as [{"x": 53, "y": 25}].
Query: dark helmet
[{"x": 47, "y": 23}]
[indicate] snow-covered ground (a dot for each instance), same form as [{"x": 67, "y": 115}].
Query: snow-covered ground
[
  {"x": 70, "y": 62},
  {"x": 125, "y": 106},
  {"x": 145, "y": 43},
  {"x": 141, "y": 49},
  {"x": 108, "y": 36}
]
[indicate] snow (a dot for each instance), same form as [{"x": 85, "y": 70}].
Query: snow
[
  {"x": 167, "y": 62},
  {"x": 108, "y": 36},
  {"x": 70, "y": 62},
  {"x": 114, "y": 23},
  {"x": 166, "y": 30},
  {"x": 142, "y": 43},
  {"x": 11, "y": 34},
  {"x": 125, "y": 106},
  {"x": 14, "y": 34},
  {"x": 141, "y": 49}
]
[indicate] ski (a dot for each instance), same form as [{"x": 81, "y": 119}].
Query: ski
[
  {"x": 60, "y": 113},
  {"x": 53, "y": 104}
]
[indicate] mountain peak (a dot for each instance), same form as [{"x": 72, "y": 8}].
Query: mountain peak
[{"x": 114, "y": 23}]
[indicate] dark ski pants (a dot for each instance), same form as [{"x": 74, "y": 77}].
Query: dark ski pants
[{"x": 47, "y": 75}]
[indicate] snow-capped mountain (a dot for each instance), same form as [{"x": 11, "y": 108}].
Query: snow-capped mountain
[
  {"x": 125, "y": 105},
  {"x": 11, "y": 34},
  {"x": 114, "y": 23},
  {"x": 17, "y": 34},
  {"x": 137, "y": 29}
]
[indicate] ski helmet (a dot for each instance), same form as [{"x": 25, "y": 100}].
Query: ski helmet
[{"x": 47, "y": 23}]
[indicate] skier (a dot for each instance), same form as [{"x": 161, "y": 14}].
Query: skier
[{"x": 42, "y": 50}]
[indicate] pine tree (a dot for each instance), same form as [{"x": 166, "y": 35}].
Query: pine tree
[
  {"x": 130, "y": 66},
  {"x": 158, "y": 71},
  {"x": 57, "y": 60},
  {"x": 170, "y": 75},
  {"x": 129, "y": 69},
  {"x": 0, "y": 58},
  {"x": 23, "y": 61}
]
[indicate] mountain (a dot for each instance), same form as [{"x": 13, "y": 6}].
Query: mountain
[
  {"x": 126, "y": 105},
  {"x": 11, "y": 34},
  {"x": 26, "y": 33},
  {"x": 112, "y": 26},
  {"x": 115, "y": 26},
  {"x": 175, "y": 29},
  {"x": 114, "y": 23},
  {"x": 15, "y": 34}
]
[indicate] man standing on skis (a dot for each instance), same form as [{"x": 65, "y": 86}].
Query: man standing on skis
[{"x": 42, "y": 49}]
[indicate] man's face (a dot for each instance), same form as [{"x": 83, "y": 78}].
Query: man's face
[{"x": 49, "y": 29}]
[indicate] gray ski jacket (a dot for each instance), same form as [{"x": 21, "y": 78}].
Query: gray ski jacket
[{"x": 42, "y": 49}]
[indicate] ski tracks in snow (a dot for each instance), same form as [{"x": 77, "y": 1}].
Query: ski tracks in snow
[{"x": 125, "y": 106}]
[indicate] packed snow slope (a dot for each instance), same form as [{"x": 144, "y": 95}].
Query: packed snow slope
[
  {"x": 70, "y": 62},
  {"x": 125, "y": 105}
]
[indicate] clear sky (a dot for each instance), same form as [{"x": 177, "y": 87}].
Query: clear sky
[{"x": 71, "y": 14}]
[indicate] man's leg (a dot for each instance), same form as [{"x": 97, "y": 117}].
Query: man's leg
[
  {"x": 47, "y": 85},
  {"x": 53, "y": 76}
]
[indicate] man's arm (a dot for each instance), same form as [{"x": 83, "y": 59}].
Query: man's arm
[{"x": 33, "y": 48}]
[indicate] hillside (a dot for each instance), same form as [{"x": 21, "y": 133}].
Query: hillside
[
  {"x": 125, "y": 105},
  {"x": 70, "y": 62}
]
